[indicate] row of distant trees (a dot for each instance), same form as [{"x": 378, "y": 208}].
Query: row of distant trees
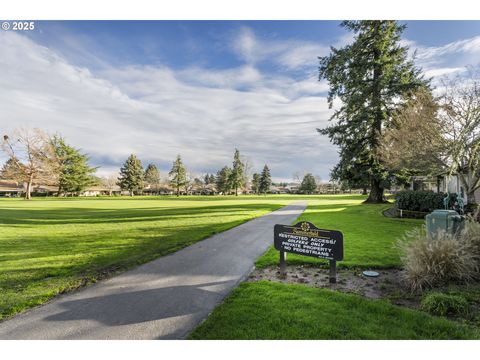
[
  {"x": 35, "y": 157},
  {"x": 227, "y": 180},
  {"x": 133, "y": 177}
]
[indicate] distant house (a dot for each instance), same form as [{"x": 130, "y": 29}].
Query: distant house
[
  {"x": 101, "y": 190},
  {"x": 441, "y": 183},
  {"x": 10, "y": 188},
  {"x": 45, "y": 190}
]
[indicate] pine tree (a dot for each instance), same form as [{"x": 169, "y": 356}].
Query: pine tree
[
  {"x": 206, "y": 179},
  {"x": 10, "y": 171},
  {"x": 178, "y": 175},
  {"x": 131, "y": 175},
  {"x": 371, "y": 77},
  {"x": 308, "y": 185},
  {"x": 213, "y": 179},
  {"x": 256, "y": 183},
  {"x": 223, "y": 180},
  {"x": 152, "y": 176},
  {"x": 265, "y": 180},
  {"x": 75, "y": 173},
  {"x": 237, "y": 179}
]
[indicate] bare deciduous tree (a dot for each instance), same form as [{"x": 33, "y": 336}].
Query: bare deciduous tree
[
  {"x": 415, "y": 141},
  {"x": 430, "y": 134},
  {"x": 110, "y": 183},
  {"x": 460, "y": 117},
  {"x": 247, "y": 171},
  {"x": 297, "y": 176},
  {"x": 32, "y": 157}
]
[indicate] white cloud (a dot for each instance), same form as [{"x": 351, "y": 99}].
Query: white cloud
[
  {"x": 291, "y": 54},
  {"x": 453, "y": 57},
  {"x": 157, "y": 112},
  {"x": 246, "y": 45},
  {"x": 201, "y": 113},
  {"x": 302, "y": 55},
  {"x": 231, "y": 78},
  {"x": 466, "y": 46},
  {"x": 443, "y": 71}
]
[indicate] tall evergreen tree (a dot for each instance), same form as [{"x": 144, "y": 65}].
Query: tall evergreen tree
[
  {"x": 75, "y": 173},
  {"x": 178, "y": 175},
  {"x": 10, "y": 171},
  {"x": 371, "y": 76},
  {"x": 213, "y": 179},
  {"x": 152, "y": 176},
  {"x": 209, "y": 179},
  {"x": 237, "y": 174},
  {"x": 256, "y": 183},
  {"x": 131, "y": 175},
  {"x": 308, "y": 185},
  {"x": 223, "y": 180},
  {"x": 206, "y": 179},
  {"x": 265, "y": 180}
]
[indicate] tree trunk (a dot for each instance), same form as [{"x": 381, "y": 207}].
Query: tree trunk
[
  {"x": 131, "y": 192},
  {"x": 28, "y": 192},
  {"x": 471, "y": 197},
  {"x": 236, "y": 191},
  {"x": 376, "y": 193},
  {"x": 364, "y": 192}
]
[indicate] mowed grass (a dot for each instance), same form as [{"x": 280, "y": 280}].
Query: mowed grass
[
  {"x": 267, "y": 310},
  {"x": 369, "y": 237},
  {"x": 48, "y": 246}
]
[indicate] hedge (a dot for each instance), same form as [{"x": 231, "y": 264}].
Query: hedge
[{"x": 415, "y": 200}]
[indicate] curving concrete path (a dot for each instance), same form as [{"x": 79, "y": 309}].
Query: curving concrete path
[{"x": 163, "y": 299}]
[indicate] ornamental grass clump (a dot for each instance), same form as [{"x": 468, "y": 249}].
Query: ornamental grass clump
[
  {"x": 470, "y": 234},
  {"x": 435, "y": 262},
  {"x": 441, "y": 304}
]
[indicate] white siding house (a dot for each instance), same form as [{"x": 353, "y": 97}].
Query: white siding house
[{"x": 441, "y": 183}]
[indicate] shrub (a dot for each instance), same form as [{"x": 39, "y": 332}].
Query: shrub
[
  {"x": 435, "y": 262},
  {"x": 423, "y": 201},
  {"x": 470, "y": 235},
  {"x": 473, "y": 211},
  {"x": 444, "y": 304}
]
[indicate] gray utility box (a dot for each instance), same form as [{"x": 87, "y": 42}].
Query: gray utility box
[{"x": 448, "y": 221}]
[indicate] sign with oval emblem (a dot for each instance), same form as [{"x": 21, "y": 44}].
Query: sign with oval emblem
[{"x": 305, "y": 238}]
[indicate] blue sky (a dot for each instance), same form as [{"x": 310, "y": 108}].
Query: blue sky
[{"x": 198, "y": 88}]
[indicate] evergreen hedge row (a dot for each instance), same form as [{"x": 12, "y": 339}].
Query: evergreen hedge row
[{"x": 415, "y": 200}]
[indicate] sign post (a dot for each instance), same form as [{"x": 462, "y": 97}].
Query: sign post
[
  {"x": 283, "y": 263},
  {"x": 304, "y": 238},
  {"x": 333, "y": 272}
]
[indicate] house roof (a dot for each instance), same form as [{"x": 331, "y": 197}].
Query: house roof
[{"x": 10, "y": 185}]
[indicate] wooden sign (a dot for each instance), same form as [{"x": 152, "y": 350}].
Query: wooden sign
[{"x": 304, "y": 238}]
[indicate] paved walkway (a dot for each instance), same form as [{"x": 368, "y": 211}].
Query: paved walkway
[{"x": 163, "y": 299}]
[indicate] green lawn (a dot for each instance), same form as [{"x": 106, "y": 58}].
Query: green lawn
[
  {"x": 369, "y": 237},
  {"x": 267, "y": 310},
  {"x": 48, "y": 246}
]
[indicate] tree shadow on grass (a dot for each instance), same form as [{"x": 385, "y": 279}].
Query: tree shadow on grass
[
  {"x": 81, "y": 259},
  {"x": 134, "y": 307},
  {"x": 105, "y": 216}
]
